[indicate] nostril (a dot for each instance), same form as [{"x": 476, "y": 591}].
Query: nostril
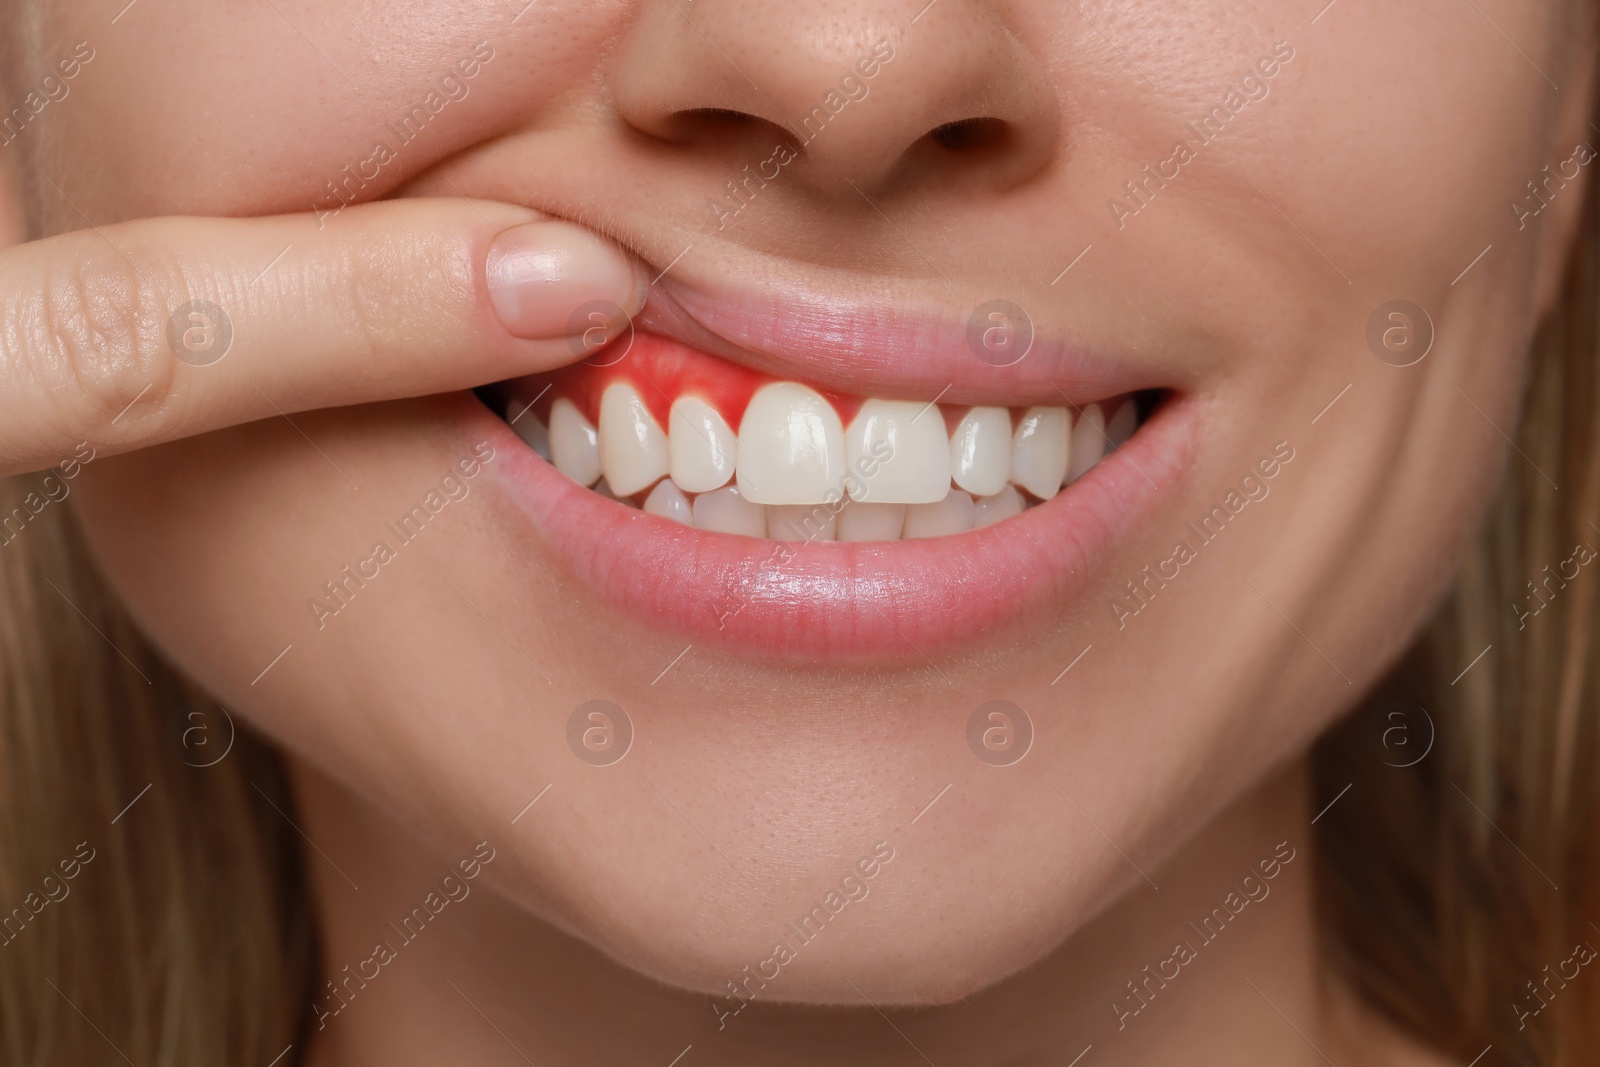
[
  {"x": 967, "y": 135},
  {"x": 706, "y": 126},
  {"x": 716, "y": 115}
]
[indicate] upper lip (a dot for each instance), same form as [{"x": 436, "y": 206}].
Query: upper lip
[
  {"x": 863, "y": 333},
  {"x": 892, "y": 349}
]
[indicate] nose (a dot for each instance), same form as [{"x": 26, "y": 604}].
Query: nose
[{"x": 868, "y": 94}]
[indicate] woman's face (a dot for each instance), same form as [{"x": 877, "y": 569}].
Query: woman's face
[{"x": 1165, "y": 631}]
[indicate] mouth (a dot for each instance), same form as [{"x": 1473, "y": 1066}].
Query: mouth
[{"x": 783, "y": 518}]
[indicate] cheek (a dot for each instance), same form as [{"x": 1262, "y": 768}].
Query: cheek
[{"x": 275, "y": 119}]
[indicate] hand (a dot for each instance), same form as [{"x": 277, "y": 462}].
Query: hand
[{"x": 137, "y": 333}]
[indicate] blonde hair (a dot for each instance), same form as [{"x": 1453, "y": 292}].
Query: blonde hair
[
  {"x": 149, "y": 902},
  {"x": 1456, "y": 886}
]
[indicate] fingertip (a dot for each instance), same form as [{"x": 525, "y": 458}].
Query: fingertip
[{"x": 552, "y": 279}]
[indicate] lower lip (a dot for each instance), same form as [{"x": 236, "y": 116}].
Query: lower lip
[{"x": 841, "y": 602}]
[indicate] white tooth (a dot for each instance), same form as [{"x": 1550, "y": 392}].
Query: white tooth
[
  {"x": 668, "y": 501},
  {"x": 1122, "y": 423},
  {"x": 605, "y": 490},
  {"x": 871, "y": 522},
  {"x": 533, "y": 432},
  {"x": 980, "y": 451},
  {"x": 897, "y": 453},
  {"x": 802, "y": 522},
  {"x": 1088, "y": 443},
  {"x": 952, "y": 515},
  {"x": 726, "y": 511},
  {"x": 574, "y": 444},
  {"x": 701, "y": 444},
  {"x": 1039, "y": 451},
  {"x": 991, "y": 509},
  {"x": 791, "y": 447},
  {"x": 633, "y": 449}
]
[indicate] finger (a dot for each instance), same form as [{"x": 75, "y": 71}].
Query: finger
[{"x": 132, "y": 334}]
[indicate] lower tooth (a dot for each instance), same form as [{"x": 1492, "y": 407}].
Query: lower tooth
[
  {"x": 574, "y": 443},
  {"x": 802, "y": 522},
  {"x": 725, "y": 510},
  {"x": 952, "y": 515},
  {"x": 1121, "y": 425},
  {"x": 668, "y": 501},
  {"x": 533, "y": 432},
  {"x": 871, "y": 522},
  {"x": 991, "y": 509},
  {"x": 1088, "y": 443}
]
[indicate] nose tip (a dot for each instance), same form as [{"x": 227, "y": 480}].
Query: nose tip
[{"x": 867, "y": 96}]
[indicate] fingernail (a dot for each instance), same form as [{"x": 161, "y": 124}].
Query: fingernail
[{"x": 543, "y": 274}]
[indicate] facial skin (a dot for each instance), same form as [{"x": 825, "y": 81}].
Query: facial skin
[{"x": 427, "y": 714}]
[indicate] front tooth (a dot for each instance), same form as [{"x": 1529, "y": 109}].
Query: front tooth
[
  {"x": 633, "y": 450},
  {"x": 1039, "y": 451},
  {"x": 701, "y": 445},
  {"x": 871, "y": 522},
  {"x": 1088, "y": 443},
  {"x": 791, "y": 447},
  {"x": 802, "y": 522},
  {"x": 574, "y": 444},
  {"x": 991, "y": 509},
  {"x": 952, "y": 515},
  {"x": 668, "y": 501},
  {"x": 725, "y": 510},
  {"x": 980, "y": 451},
  {"x": 897, "y": 453},
  {"x": 1120, "y": 426}
]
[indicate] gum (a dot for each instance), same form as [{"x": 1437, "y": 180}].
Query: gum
[{"x": 661, "y": 370}]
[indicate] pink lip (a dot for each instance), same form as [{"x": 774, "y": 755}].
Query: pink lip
[
  {"x": 849, "y": 603},
  {"x": 840, "y": 343}
]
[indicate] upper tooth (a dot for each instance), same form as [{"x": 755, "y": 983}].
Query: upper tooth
[
  {"x": 1039, "y": 451},
  {"x": 871, "y": 522},
  {"x": 725, "y": 511},
  {"x": 897, "y": 453},
  {"x": 1088, "y": 443},
  {"x": 791, "y": 447},
  {"x": 802, "y": 522},
  {"x": 951, "y": 515},
  {"x": 1002, "y": 505},
  {"x": 668, "y": 501},
  {"x": 980, "y": 451},
  {"x": 1122, "y": 423},
  {"x": 633, "y": 450},
  {"x": 701, "y": 444},
  {"x": 574, "y": 445}
]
